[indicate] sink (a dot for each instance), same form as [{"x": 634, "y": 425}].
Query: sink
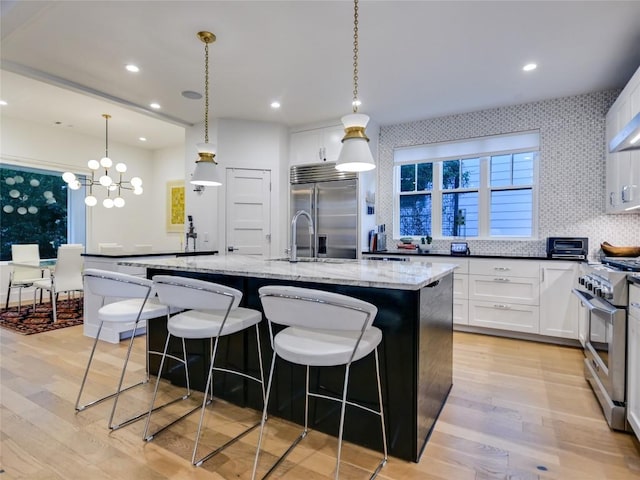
[{"x": 313, "y": 260}]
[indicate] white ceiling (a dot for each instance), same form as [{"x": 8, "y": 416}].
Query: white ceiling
[{"x": 418, "y": 59}]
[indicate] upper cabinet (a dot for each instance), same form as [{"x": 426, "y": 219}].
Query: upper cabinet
[
  {"x": 316, "y": 145},
  {"x": 623, "y": 168}
]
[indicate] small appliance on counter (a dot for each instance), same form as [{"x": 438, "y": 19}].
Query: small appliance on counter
[
  {"x": 576, "y": 248},
  {"x": 378, "y": 239}
]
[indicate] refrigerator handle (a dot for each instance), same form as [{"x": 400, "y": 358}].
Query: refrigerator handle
[{"x": 314, "y": 209}]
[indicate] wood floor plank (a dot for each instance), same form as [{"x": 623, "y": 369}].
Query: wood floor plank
[{"x": 517, "y": 410}]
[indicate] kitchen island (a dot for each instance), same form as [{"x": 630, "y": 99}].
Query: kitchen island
[{"x": 415, "y": 314}]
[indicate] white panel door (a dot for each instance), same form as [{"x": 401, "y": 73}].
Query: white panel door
[{"x": 248, "y": 212}]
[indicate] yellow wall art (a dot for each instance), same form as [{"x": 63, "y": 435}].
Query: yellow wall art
[{"x": 175, "y": 206}]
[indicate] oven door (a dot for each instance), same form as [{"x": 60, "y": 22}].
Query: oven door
[{"x": 605, "y": 346}]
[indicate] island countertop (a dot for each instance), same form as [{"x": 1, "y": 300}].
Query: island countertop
[{"x": 362, "y": 273}]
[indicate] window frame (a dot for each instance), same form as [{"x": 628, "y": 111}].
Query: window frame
[
  {"x": 76, "y": 215},
  {"x": 484, "y": 189}
]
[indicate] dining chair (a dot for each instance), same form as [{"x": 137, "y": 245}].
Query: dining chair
[
  {"x": 67, "y": 276},
  {"x": 110, "y": 248},
  {"x": 25, "y": 260},
  {"x": 322, "y": 329}
]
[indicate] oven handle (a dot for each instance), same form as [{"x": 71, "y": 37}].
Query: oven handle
[{"x": 588, "y": 301}]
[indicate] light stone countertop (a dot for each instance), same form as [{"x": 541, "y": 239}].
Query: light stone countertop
[{"x": 362, "y": 273}]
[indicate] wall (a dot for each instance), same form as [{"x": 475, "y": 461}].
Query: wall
[
  {"x": 247, "y": 145},
  {"x": 571, "y": 174},
  {"x": 168, "y": 165}
]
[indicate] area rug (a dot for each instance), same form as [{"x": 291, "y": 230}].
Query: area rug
[{"x": 29, "y": 321}]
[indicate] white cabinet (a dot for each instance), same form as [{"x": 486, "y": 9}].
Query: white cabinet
[
  {"x": 633, "y": 362},
  {"x": 558, "y": 315},
  {"x": 316, "y": 145},
  {"x": 504, "y": 294},
  {"x": 623, "y": 168}
]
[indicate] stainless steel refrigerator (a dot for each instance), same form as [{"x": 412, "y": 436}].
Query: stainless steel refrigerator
[{"x": 331, "y": 198}]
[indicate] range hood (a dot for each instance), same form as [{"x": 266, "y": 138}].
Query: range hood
[{"x": 628, "y": 138}]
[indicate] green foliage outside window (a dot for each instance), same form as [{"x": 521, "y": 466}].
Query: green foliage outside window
[{"x": 34, "y": 210}]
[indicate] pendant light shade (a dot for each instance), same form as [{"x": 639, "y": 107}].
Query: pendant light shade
[
  {"x": 206, "y": 172},
  {"x": 206, "y": 175},
  {"x": 355, "y": 155}
]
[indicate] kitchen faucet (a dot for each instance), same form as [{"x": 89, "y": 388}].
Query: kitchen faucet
[{"x": 293, "y": 251}]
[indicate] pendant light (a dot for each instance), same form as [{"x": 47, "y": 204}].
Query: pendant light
[
  {"x": 355, "y": 155},
  {"x": 206, "y": 172}
]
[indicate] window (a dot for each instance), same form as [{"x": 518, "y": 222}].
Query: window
[
  {"x": 37, "y": 207},
  {"x": 483, "y": 188}
]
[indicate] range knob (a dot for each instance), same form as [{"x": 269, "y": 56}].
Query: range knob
[
  {"x": 581, "y": 281},
  {"x": 597, "y": 291}
]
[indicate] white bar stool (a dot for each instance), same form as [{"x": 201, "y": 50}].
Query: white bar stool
[
  {"x": 215, "y": 312},
  {"x": 323, "y": 329},
  {"x": 140, "y": 305}
]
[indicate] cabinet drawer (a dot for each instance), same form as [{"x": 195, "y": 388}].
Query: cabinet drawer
[
  {"x": 504, "y": 289},
  {"x": 504, "y": 268},
  {"x": 517, "y": 318}
]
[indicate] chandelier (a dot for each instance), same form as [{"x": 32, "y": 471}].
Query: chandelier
[
  {"x": 355, "y": 155},
  {"x": 110, "y": 182},
  {"x": 206, "y": 173}
]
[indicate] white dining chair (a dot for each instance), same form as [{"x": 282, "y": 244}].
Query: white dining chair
[
  {"x": 213, "y": 311},
  {"x": 323, "y": 329},
  {"x": 25, "y": 262},
  {"x": 66, "y": 278}
]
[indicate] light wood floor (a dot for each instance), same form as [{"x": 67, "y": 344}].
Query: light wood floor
[{"x": 518, "y": 410}]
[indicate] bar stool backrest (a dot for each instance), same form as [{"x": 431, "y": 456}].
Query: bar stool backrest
[
  {"x": 115, "y": 284},
  {"x": 315, "y": 309},
  {"x": 193, "y": 294}
]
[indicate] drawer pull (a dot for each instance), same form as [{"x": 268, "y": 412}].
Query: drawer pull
[
  {"x": 501, "y": 269},
  {"x": 501, "y": 279},
  {"x": 502, "y": 306}
]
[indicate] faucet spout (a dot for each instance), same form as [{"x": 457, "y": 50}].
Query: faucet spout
[{"x": 293, "y": 251}]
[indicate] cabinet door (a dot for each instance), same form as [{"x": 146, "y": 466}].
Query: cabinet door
[
  {"x": 633, "y": 362},
  {"x": 305, "y": 147},
  {"x": 558, "y": 317},
  {"x": 332, "y": 143}
]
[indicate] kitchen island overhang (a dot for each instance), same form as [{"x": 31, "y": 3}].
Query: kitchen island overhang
[{"x": 415, "y": 314}]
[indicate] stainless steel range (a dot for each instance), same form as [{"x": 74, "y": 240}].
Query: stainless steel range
[{"x": 604, "y": 291}]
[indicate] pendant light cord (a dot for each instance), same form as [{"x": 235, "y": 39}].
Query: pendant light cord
[
  {"x": 355, "y": 56},
  {"x": 206, "y": 92},
  {"x": 106, "y": 134}
]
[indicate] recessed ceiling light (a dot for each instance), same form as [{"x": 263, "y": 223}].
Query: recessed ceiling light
[
  {"x": 2, "y": 102},
  {"x": 275, "y": 105},
  {"x": 529, "y": 66},
  {"x": 191, "y": 95},
  {"x": 142, "y": 139},
  {"x": 154, "y": 105},
  {"x": 132, "y": 68}
]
